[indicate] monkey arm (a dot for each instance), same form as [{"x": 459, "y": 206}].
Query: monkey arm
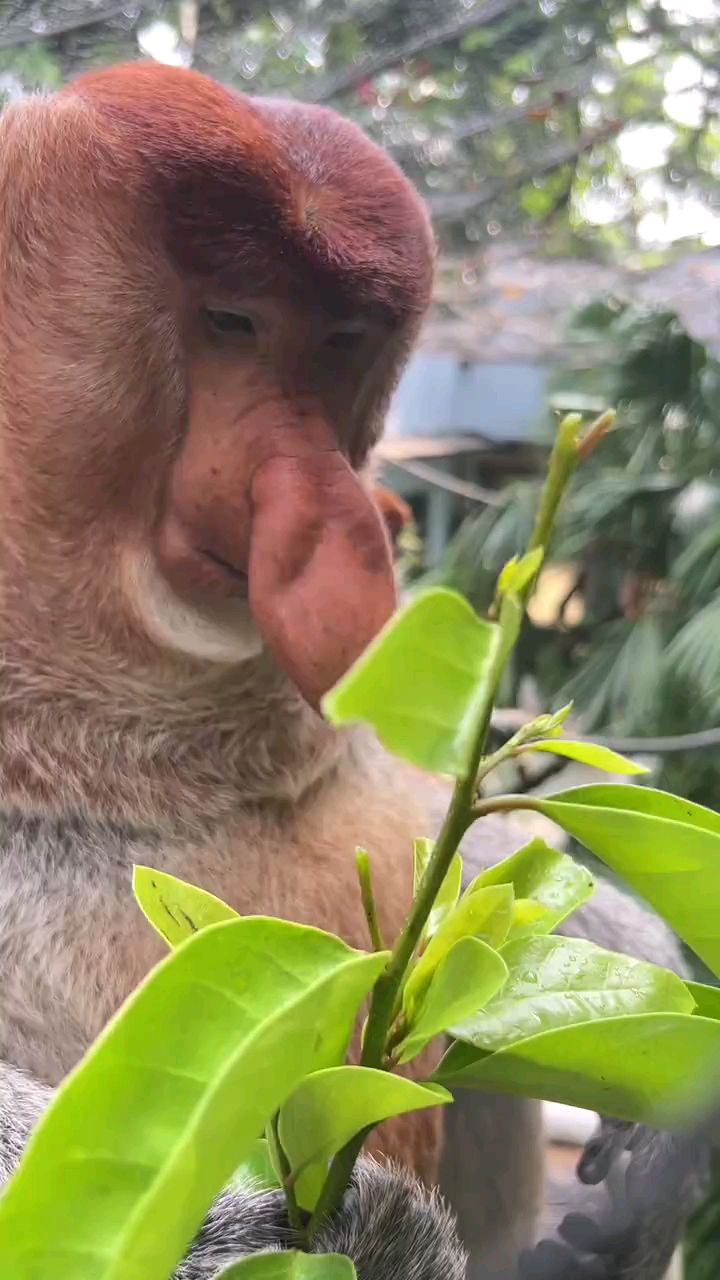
[
  {"x": 650, "y": 1197},
  {"x": 22, "y": 1102},
  {"x": 391, "y": 1226}
]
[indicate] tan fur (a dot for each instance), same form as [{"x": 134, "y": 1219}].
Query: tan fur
[
  {"x": 146, "y": 723},
  {"x": 191, "y": 798}
]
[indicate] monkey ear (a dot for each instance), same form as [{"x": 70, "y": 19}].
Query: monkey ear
[{"x": 396, "y": 513}]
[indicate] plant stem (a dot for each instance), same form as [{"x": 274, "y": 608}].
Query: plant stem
[
  {"x": 463, "y": 811},
  {"x": 282, "y": 1168},
  {"x": 362, "y": 862},
  {"x": 502, "y": 804},
  {"x": 563, "y": 461},
  {"x": 457, "y": 820},
  {"x": 387, "y": 987}
]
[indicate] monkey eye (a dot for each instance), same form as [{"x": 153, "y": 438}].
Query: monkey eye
[
  {"x": 345, "y": 339},
  {"x": 230, "y": 322}
]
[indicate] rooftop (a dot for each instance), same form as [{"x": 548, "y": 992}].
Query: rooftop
[{"x": 512, "y": 305}]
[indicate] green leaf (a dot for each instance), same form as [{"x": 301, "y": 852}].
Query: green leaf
[
  {"x": 553, "y": 880},
  {"x": 707, "y": 999},
  {"x": 422, "y": 853},
  {"x": 256, "y": 1171},
  {"x": 449, "y": 891},
  {"x": 466, "y": 978},
  {"x": 625, "y": 1067},
  {"x": 666, "y": 848},
  {"x": 553, "y": 723},
  {"x": 330, "y": 1107},
  {"x": 557, "y": 982},
  {"x": 586, "y": 753},
  {"x": 291, "y": 1265},
  {"x": 136, "y": 1143},
  {"x": 423, "y": 683},
  {"x": 481, "y": 913},
  {"x": 519, "y": 573},
  {"x": 174, "y": 908},
  {"x": 544, "y": 726},
  {"x": 526, "y": 913}
]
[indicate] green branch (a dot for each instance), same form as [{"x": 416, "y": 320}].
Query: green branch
[
  {"x": 362, "y": 863},
  {"x": 284, "y": 1172},
  {"x": 463, "y": 810}
]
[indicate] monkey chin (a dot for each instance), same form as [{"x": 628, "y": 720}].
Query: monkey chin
[{"x": 222, "y": 632}]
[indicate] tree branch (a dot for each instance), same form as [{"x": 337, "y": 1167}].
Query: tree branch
[
  {"x": 86, "y": 16},
  {"x": 437, "y": 33},
  {"x": 505, "y": 722},
  {"x": 457, "y": 204},
  {"x": 475, "y": 126}
]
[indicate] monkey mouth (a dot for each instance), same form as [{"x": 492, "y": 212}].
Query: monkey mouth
[
  {"x": 194, "y": 568},
  {"x": 236, "y": 576}
]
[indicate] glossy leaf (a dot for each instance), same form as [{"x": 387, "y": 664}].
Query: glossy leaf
[
  {"x": 175, "y": 908},
  {"x": 466, "y": 978},
  {"x": 707, "y": 999},
  {"x": 256, "y": 1171},
  {"x": 557, "y": 982},
  {"x": 543, "y": 875},
  {"x": 519, "y": 572},
  {"x": 449, "y": 889},
  {"x": 422, "y": 853},
  {"x": 330, "y": 1107},
  {"x": 666, "y": 848},
  {"x": 126, "y": 1161},
  {"x": 589, "y": 753},
  {"x": 625, "y": 1067},
  {"x": 526, "y": 917},
  {"x": 422, "y": 684},
  {"x": 291, "y": 1265},
  {"x": 484, "y": 914}
]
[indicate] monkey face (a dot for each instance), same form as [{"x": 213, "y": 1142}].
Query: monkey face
[
  {"x": 263, "y": 514},
  {"x": 229, "y": 290}
]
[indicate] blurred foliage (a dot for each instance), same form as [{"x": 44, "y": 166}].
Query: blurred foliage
[
  {"x": 510, "y": 115},
  {"x": 638, "y": 652},
  {"x": 702, "y": 1248}
]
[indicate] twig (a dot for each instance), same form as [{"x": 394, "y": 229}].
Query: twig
[
  {"x": 282, "y": 1166},
  {"x": 84, "y": 17},
  {"x": 666, "y": 745},
  {"x": 436, "y": 33},
  {"x": 362, "y": 862},
  {"x": 457, "y": 204}
]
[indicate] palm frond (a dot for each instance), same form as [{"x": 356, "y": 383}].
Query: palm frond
[
  {"x": 619, "y": 685},
  {"x": 694, "y": 655}
]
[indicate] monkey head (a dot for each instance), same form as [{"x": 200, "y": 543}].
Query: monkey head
[{"x": 206, "y": 303}]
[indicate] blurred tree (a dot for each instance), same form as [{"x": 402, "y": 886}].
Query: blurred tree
[
  {"x": 639, "y": 652},
  {"x": 588, "y": 122}
]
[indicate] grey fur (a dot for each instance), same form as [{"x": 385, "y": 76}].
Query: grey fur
[
  {"x": 390, "y": 1226},
  {"x": 22, "y": 1101}
]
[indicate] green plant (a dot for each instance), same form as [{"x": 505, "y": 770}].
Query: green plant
[
  {"x": 213, "y": 1051},
  {"x": 633, "y": 644}
]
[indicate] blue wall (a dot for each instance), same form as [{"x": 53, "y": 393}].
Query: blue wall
[{"x": 439, "y": 395}]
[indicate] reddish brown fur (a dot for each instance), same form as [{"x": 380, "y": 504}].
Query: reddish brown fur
[
  {"x": 121, "y": 198},
  {"x": 395, "y": 511}
]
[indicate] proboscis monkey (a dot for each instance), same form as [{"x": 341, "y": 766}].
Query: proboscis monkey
[{"x": 205, "y": 302}]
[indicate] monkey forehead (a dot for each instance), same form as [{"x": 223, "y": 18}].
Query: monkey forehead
[{"x": 235, "y": 178}]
